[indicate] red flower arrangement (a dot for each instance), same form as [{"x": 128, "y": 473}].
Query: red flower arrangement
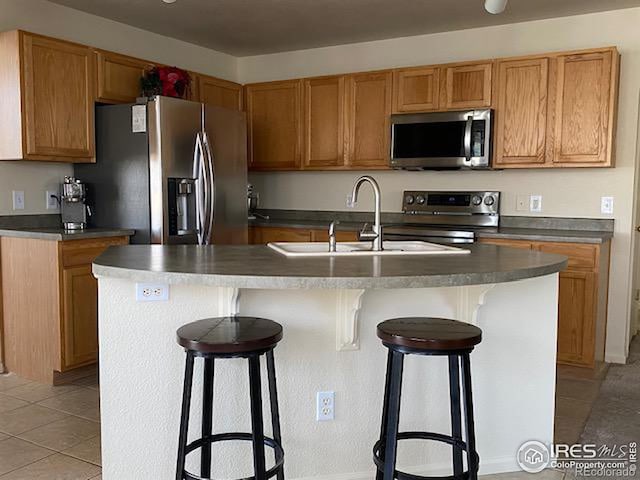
[{"x": 167, "y": 81}]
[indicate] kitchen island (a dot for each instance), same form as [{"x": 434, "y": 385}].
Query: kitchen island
[{"x": 329, "y": 308}]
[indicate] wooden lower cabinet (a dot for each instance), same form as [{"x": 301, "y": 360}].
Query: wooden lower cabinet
[
  {"x": 582, "y": 298},
  {"x": 79, "y": 316},
  {"x": 50, "y": 305},
  {"x": 262, "y": 235}
]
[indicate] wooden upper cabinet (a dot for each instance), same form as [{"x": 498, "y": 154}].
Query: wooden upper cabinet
[
  {"x": 48, "y": 89},
  {"x": 59, "y": 94},
  {"x": 274, "y": 125},
  {"x": 585, "y": 108},
  {"x": 220, "y": 93},
  {"x": 416, "y": 89},
  {"x": 369, "y": 110},
  {"x": 324, "y": 122},
  {"x": 119, "y": 77},
  {"x": 466, "y": 86},
  {"x": 521, "y": 112}
]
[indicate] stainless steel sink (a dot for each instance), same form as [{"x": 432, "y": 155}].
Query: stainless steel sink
[{"x": 321, "y": 249}]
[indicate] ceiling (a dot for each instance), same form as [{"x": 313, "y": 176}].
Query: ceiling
[{"x": 251, "y": 27}]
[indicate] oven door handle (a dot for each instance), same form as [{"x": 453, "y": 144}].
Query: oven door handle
[{"x": 467, "y": 137}]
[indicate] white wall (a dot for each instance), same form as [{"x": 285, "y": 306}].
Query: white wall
[
  {"x": 572, "y": 193},
  {"x": 47, "y": 18},
  {"x": 518, "y": 322}
]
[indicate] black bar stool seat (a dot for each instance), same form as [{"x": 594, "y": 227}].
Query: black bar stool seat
[
  {"x": 428, "y": 336},
  {"x": 230, "y": 337}
]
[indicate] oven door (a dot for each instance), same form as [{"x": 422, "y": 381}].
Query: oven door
[{"x": 442, "y": 140}]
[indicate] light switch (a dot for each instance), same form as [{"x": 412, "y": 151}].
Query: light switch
[
  {"x": 606, "y": 206},
  {"x": 535, "y": 203}
]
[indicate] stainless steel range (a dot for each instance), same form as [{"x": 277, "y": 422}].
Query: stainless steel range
[{"x": 445, "y": 217}]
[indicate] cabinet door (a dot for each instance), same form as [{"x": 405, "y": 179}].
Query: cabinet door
[
  {"x": 119, "y": 77},
  {"x": 585, "y": 105},
  {"x": 79, "y": 316},
  {"x": 59, "y": 94},
  {"x": 220, "y": 93},
  {"x": 521, "y": 116},
  {"x": 274, "y": 117},
  {"x": 324, "y": 125},
  {"x": 416, "y": 89},
  {"x": 369, "y": 109},
  {"x": 576, "y": 318},
  {"x": 466, "y": 86}
]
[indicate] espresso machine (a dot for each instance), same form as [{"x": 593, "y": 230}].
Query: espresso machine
[{"x": 75, "y": 211}]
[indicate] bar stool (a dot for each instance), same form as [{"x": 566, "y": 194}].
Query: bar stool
[
  {"x": 427, "y": 336},
  {"x": 230, "y": 337}
]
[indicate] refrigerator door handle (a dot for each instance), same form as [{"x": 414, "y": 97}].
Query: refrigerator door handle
[
  {"x": 198, "y": 175},
  {"x": 211, "y": 186}
]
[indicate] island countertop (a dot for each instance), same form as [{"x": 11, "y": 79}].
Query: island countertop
[{"x": 257, "y": 266}]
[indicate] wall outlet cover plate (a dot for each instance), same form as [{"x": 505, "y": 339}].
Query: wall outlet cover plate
[
  {"x": 325, "y": 406},
  {"x": 152, "y": 292}
]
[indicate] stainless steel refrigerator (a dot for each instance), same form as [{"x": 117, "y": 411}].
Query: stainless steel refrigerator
[{"x": 174, "y": 171}]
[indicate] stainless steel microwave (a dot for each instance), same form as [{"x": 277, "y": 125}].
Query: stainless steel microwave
[{"x": 441, "y": 140}]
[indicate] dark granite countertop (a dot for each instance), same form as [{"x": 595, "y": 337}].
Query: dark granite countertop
[
  {"x": 258, "y": 266},
  {"x": 59, "y": 234},
  {"x": 542, "y": 229}
]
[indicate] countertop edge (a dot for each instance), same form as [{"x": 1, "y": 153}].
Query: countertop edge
[
  {"x": 566, "y": 236},
  {"x": 306, "y": 283},
  {"x": 63, "y": 236}
]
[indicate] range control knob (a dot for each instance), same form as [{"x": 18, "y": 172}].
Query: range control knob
[
  {"x": 420, "y": 199},
  {"x": 476, "y": 200},
  {"x": 409, "y": 199},
  {"x": 489, "y": 201}
]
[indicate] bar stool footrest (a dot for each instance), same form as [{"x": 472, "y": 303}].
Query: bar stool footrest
[
  {"x": 438, "y": 437},
  {"x": 231, "y": 436}
]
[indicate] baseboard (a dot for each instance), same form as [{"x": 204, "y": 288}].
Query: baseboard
[
  {"x": 615, "y": 358},
  {"x": 487, "y": 467}
]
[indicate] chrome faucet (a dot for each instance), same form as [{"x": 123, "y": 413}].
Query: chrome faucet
[
  {"x": 375, "y": 234},
  {"x": 332, "y": 235}
]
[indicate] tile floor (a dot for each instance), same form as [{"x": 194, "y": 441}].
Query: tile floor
[
  {"x": 53, "y": 433},
  {"x": 49, "y": 433},
  {"x": 576, "y": 393}
]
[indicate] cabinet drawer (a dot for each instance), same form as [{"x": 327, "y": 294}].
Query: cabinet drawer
[
  {"x": 262, "y": 235},
  {"x": 581, "y": 257},
  {"x": 82, "y": 252},
  {"x": 523, "y": 244},
  {"x": 341, "y": 236}
]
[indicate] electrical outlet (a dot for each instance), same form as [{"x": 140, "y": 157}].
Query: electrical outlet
[
  {"x": 535, "y": 203},
  {"x": 325, "y": 406},
  {"x": 18, "y": 199},
  {"x": 606, "y": 205},
  {"x": 152, "y": 292},
  {"x": 51, "y": 200},
  {"x": 522, "y": 201}
]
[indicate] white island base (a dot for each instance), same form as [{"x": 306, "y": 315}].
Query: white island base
[{"x": 329, "y": 344}]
